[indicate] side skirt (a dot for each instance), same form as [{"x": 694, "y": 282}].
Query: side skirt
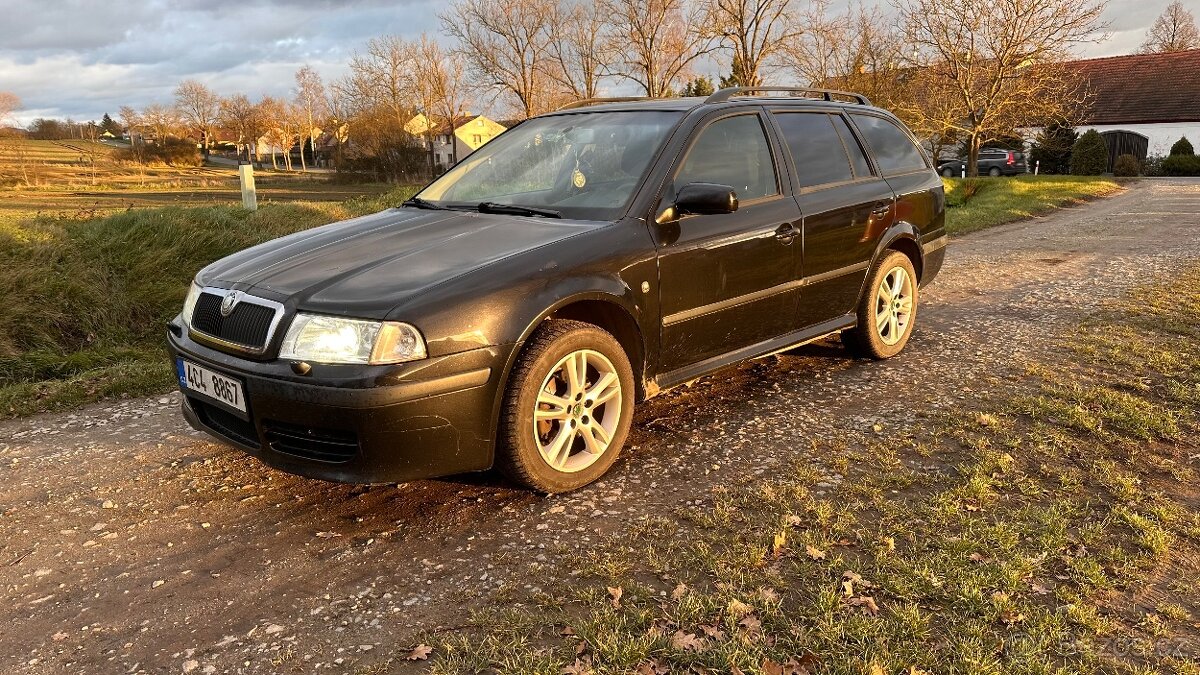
[{"x": 674, "y": 378}]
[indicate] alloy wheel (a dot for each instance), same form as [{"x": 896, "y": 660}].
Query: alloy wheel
[
  {"x": 578, "y": 410},
  {"x": 894, "y": 305}
]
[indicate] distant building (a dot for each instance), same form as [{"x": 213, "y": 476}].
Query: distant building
[
  {"x": 1141, "y": 103},
  {"x": 452, "y": 141}
]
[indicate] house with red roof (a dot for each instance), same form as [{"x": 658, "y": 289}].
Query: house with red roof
[{"x": 1141, "y": 103}]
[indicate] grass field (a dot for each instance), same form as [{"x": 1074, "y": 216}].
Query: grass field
[
  {"x": 976, "y": 203},
  {"x": 54, "y": 178}
]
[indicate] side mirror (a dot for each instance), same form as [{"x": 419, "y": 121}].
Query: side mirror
[{"x": 706, "y": 199}]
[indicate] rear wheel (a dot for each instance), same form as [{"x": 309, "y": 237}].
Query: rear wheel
[
  {"x": 887, "y": 311},
  {"x": 568, "y": 408},
  {"x": 994, "y": 172},
  {"x": 948, "y": 173}
]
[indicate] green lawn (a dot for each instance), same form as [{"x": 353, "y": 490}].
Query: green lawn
[
  {"x": 86, "y": 300},
  {"x": 977, "y": 203}
]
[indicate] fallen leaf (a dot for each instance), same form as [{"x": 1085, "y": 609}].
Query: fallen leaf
[
  {"x": 751, "y": 624},
  {"x": 791, "y": 667},
  {"x": 679, "y": 591},
  {"x": 713, "y": 632},
  {"x": 686, "y": 642},
  {"x": 979, "y": 558},
  {"x": 1039, "y": 589},
  {"x": 814, "y": 552},
  {"x": 580, "y": 667},
  {"x": 59, "y": 636},
  {"x": 651, "y": 667},
  {"x": 420, "y": 653},
  {"x": 889, "y": 543},
  {"x": 581, "y": 647},
  {"x": 737, "y": 608},
  {"x": 614, "y": 595},
  {"x": 328, "y": 535},
  {"x": 768, "y": 595},
  {"x": 867, "y": 603},
  {"x": 848, "y": 588},
  {"x": 779, "y": 543},
  {"x": 876, "y": 669},
  {"x": 913, "y": 670},
  {"x": 793, "y": 521},
  {"x": 567, "y": 631},
  {"x": 157, "y": 583}
]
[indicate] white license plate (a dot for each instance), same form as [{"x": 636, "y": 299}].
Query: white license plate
[{"x": 211, "y": 385}]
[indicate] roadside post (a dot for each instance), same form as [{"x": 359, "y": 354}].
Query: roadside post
[
  {"x": 249, "y": 195},
  {"x": 1037, "y": 166}
]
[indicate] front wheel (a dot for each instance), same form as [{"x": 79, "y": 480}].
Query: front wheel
[
  {"x": 994, "y": 172},
  {"x": 568, "y": 408},
  {"x": 887, "y": 310}
]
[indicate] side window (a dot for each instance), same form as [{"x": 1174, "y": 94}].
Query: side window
[
  {"x": 893, "y": 149},
  {"x": 732, "y": 151},
  {"x": 862, "y": 168},
  {"x": 816, "y": 149}
]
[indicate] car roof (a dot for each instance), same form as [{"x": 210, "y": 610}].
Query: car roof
[{"x": 800, "y": 97}]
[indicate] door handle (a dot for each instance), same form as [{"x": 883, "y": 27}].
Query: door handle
[
  {"x": 881, "y": 211},
  {"x": 785, "y": 233}
]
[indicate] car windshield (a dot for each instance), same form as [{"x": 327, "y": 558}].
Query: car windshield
[{"x": 581, "y": 165}]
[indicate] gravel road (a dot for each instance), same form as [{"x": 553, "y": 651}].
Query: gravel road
[{"x": 129, "y": 543}]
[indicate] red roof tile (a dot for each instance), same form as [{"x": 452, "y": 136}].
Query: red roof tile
[{"x": 1142, "y": 88}]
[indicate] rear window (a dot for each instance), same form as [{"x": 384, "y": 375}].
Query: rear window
[
  {"x": 894, "y": 150},
  {"x": 816, "y": 148}
]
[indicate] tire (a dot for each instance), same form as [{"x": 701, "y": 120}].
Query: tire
[
  {"x": 871, "y": 339},
  {"x": 994, "y": 172},
  {"x": 570, "y": 433},
  {"x": 948, "y": 173}
]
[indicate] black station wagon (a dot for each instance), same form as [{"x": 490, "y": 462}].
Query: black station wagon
[{"x": 514, "y": 311}]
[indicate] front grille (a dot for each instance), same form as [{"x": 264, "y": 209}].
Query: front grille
[
  {"x": 225, "y": 423},
  {"x": 248, "y": 325},
  {"x": 331, "y": 446}
]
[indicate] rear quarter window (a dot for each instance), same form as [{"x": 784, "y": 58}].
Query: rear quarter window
[{"x": 894, "y": 151}]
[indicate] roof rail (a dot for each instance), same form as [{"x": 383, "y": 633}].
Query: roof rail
[
  {"x": 822, "y": 94},
  {"x": 614, "y": 99}
]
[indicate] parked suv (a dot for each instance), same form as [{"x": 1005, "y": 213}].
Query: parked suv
[
  {"x": 992, "y": 162},
  {"x": 516, "y": 310}
]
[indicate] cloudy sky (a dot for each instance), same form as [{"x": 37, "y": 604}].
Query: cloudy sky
[{"x": 82, "y": 58}]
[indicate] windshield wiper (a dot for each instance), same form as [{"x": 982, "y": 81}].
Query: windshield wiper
[
  {"x": 514, "y": 210},
  {"x": 417, "y": 202}
]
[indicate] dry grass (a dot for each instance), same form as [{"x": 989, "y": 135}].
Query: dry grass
[{"x": 1054, "y": 532}]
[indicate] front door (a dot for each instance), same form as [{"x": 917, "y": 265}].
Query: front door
[{"x": 728, "y": 281}]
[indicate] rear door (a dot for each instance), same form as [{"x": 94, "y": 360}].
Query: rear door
[{"x": 846, "y": 206}]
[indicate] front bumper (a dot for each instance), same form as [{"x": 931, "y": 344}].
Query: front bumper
[{"x": 357, "y": 424}]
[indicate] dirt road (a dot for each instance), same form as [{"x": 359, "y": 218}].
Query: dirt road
[{"x": 129, "y": 543}]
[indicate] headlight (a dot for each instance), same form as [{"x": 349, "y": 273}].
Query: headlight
[
  {"x": 329, "y": 339},
  {"x": 189, "y": 304}
]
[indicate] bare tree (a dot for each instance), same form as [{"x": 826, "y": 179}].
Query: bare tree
[
  {"x": 199, "y": 107},
  {"x": 277, "y": 122},
  {"x": 9, "y": 103},
  {"x": 754, "y": 31},
  {"x": 382, "y": 76},
  {"x": 440, "y": 83},
  {"x": 655, "y": 42},
  {"x": 506, "y": 43},
  {"x": 161, "y": 121},
  {"x": 243, "y": 121},
  {"x": 1173, "y": 31},
  {"x": 311, "y": 102},
  {"x": 577, "y": 50},
  {"x": 997, "y": 62}
]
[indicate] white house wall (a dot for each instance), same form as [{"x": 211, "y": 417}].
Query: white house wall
[{"x": 1162, "y": 136}]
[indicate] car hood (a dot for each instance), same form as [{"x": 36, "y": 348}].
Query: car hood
[{"x": 366, "y": 266}]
